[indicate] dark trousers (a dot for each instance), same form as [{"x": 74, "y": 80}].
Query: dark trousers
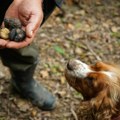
[{"x": 24, "y": 58}]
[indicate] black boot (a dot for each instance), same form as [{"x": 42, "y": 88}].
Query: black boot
[{"x": 30, "y": 89}]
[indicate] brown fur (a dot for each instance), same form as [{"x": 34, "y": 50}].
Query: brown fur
[{"x": 101, "y": 93}]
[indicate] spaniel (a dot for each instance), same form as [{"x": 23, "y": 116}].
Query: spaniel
[{"x": 100, "y": 86}]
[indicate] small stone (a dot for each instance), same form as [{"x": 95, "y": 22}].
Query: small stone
[
  {"x": 70, "y": 26},
  {"x": 62, "y": 79},
  {"x": 78, "y": 51},
  {"x": 33, "y": 113},
  {"x": 2, "y": 75},
  {"x": 1, "y": 89},
  {"x": 114, "y": 29},
  {"x": 82, "y": 12}
]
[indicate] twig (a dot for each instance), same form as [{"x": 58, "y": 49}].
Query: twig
[
  {"x": 73, "y": 112},
  {"x": 91, "y": 50}
]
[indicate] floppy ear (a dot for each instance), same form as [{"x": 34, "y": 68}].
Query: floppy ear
[
  {"x": 99, "y": 108},
  {"x": 84, "y": 111},
  {"x": 103, "y": 105}
]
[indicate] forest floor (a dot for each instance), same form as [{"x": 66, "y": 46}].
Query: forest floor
[{"x": 87, "y": 32}]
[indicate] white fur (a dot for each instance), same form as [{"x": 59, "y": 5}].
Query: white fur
[
  {"x": 81, "y": 71},
  {"x": 111, "y": 75}
]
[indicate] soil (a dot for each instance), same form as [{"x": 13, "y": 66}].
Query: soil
[{"x": 87, "y": 32}]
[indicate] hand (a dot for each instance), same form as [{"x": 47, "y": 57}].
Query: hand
[{"x": 30, "y": 14}]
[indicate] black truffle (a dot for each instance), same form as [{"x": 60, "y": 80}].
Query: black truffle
[
  {"x": 11, "y": 23},
  {"x": 17, "y": 35},
  {"x": 14, "y": 25}
]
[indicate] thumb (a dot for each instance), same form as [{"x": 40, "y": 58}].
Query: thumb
[
  {"x": 32, "y": 26},
  {"x": 29, "y": 30}
]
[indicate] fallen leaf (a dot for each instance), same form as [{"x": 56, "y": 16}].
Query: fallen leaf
[
  {"x": 1, "y": 89},
  {"x": 22, "y": 105},
  {"x": 44, "y": 74},
  {"x": 62, "y": 79}
]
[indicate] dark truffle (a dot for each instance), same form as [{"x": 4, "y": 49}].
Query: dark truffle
[
  {"x": 14, "y": 25},
  {"x": 11, "y": 23},
  {"x": 17, "y": 35}
]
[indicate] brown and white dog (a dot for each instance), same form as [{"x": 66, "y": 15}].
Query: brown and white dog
[{"x": 100, "y": 86}]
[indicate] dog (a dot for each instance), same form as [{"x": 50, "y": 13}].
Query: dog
[{"x": 100, "y": 86}]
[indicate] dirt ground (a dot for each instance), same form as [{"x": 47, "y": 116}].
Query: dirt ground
[{"x": 87, "y": 32}]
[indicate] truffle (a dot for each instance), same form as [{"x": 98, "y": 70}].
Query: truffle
[
  {"x": 17, "y": 35},
  {"x": 4, "y": 33},
  {"x": 13, "y": 30},
  {"x": 11, "y": 23}
]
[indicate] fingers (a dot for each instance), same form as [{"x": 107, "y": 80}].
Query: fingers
[
  {"x": 31, "y": 29},
  {"x": 15, "y": 45},
  {"x": 3, "y": 43},
  {"x": 18, "y": 45},
  {"x": 33, "y": 24}
]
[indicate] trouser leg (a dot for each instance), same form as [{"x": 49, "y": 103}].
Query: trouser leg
[{"x": 22, "y": 64}]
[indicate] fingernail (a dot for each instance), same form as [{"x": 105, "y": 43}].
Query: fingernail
[{"x": 31, "y": 33}]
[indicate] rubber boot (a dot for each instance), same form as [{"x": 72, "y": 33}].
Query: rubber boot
[{"x": 28, "y": 88}]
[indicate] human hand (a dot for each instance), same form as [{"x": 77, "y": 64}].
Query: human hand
[{"x": 30, "y": 14}]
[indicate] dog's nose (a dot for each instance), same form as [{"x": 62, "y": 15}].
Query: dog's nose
[{"x": 71, "y": 65}]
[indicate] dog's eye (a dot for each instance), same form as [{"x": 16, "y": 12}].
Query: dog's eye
[
  {"x": 90, "y": 81},
  {"x": 90, "y": 78}
]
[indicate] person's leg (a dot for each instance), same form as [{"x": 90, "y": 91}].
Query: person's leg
[
  {"x": 22, "y": 64},
  {"x": 48, "y": 7}
]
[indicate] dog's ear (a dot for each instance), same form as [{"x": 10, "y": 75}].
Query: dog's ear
[
  {"x": 84, "y": 111},
  {"x": 103, "y": 105}
]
